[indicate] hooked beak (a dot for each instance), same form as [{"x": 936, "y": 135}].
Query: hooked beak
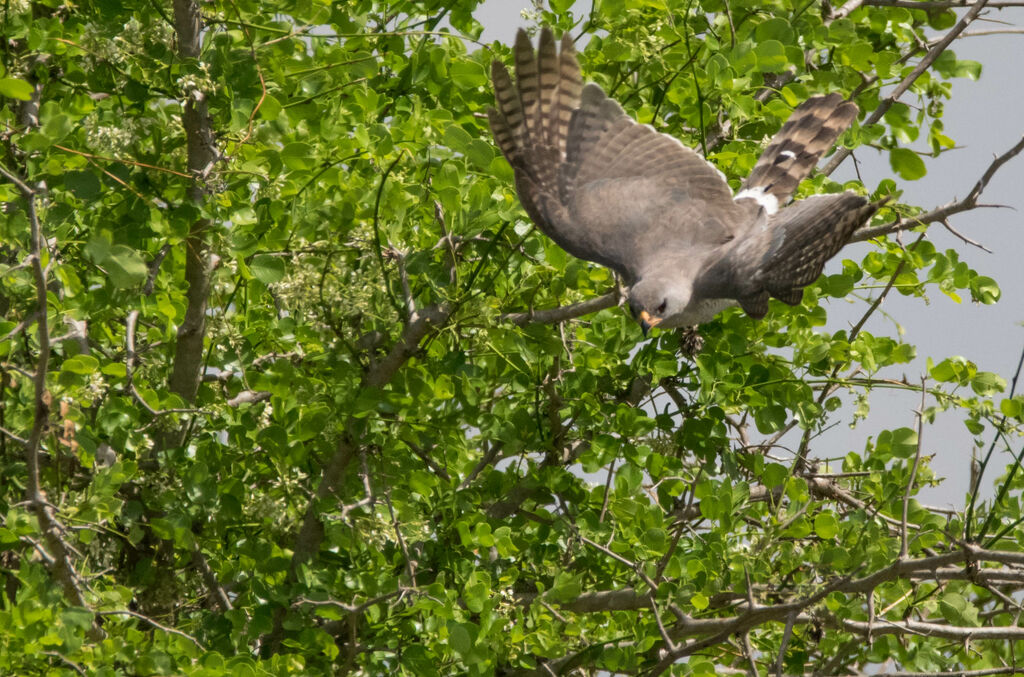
[{"x": 648, "y": 321}]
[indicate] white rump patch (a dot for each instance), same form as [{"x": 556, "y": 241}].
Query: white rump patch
[
  {"x": 787, "y": 153},
  {"x": 768, "y": 202}
]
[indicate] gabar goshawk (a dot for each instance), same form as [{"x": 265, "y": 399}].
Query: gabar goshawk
[{"x": 619, "y": 193}]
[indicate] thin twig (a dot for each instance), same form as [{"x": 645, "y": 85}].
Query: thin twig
[
  {"x": 964, "y": 238},
  {"x": 154, "y": 268},
  {"x": 800, "y": 462},
  {"x": 410, "y": 563},
  {"x": 8, "y": 434},
  {"x": 786, "y": 635},
  {"x": 20, "y": 327},
  {"x": 492, "y": 452},
  {"x": 377, "y": 245},
  {"x": 913, "y": 471},
  {"x": 158, "y": 626},
  {"x": 622, "y": 560},
  {"x": 969, "y": 519}
]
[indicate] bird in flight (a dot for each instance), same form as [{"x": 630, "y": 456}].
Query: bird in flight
[{"x": 619, "y": 193}]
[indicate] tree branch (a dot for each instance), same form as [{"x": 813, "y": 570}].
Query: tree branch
[
  {"x": 61, "y": 566},
  {"x": 420, "y": 323},
  {"x": 217, "y": 591},
  {"x": 940, "y": 214},
  {"x": 562, "y": 313},
  {"x": 934, "y": 567},
  {"x": 712, "y": 630},
  {"x": 158, "y": 626},
  {"x": 202, "y": 155}
]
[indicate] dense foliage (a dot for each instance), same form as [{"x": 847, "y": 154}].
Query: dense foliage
[{"x": 279, "y": 394}]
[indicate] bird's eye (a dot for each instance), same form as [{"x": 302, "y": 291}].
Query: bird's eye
[{"x": 662, "y": 307}]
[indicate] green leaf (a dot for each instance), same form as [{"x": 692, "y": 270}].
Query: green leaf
[
  {"x": 986, "y": 384},
  {"x": 941, "y": 20},
  {"x": 81, "y": 364},
  {"x": 774, "y": 475},
  {"x": 267, "y": 269},
  {"x": 115, "y": 369},
  {"x": 298, "y": 156},
  {"x": 477, "y": 591},
  {"x": 967, "y": 69},
  {"x": 55, "y": 124},
  {"x": 907, "y": 164},
  {"x": 770, "y": 419},
  {"x": 957, "y": 610},
  {"x": 771, "y": 56},
  {"x": 457, "y": 138},
  {"x": 985, "y": 289},
  {"x": 312, "y": 422},
  {"x": 15, "y": 89},
  {"x": 443, "y": 387},
  {"x": 566, "y": 587},
  {"x": 480, "y": 153},
  {"x": 271, "y": 108},
  {"x": 125, "y": 265},
  {"x": 699, "y": 601},
  {"x": 1012, "y": 407},
  {"x": 467, "y": 74},
  {"x": 460, "y": 638},
  {"x": 826, "y": 525},
  {"x": 774, "y": 29},
  {"x": 84, "y": 185},
  {"x": 901, "y": 442}
]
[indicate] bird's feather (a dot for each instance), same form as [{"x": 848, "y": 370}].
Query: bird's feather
[
  {"x": 795, "y": 150},
  {"x": 792, "y": 250},
  {"x": 610, "y": 190}
]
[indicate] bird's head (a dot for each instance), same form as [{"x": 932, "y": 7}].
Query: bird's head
[{"x": 654, "y": 303}]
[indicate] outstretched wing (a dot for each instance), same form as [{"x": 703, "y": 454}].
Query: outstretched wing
[
  {"x": 602, "y": 186},
  {"x": 792, "y": 250},
  {"x": 795, "y": 150}
]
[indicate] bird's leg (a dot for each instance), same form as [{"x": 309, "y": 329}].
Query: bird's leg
[
  {"x": 620, "y": 289},
  {"x": 690, "y": 341}
]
